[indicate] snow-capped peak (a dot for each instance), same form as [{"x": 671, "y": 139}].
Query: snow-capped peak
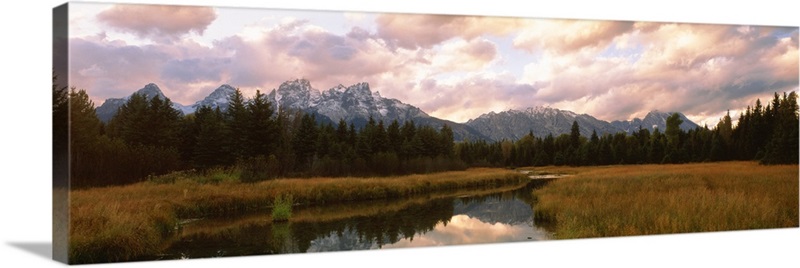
[
  {"x": 217, "y": 98},
  {"x": 149, "y": 91}
]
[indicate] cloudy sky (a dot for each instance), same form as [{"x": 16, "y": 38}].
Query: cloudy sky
[{"x": 452, "y": 67}]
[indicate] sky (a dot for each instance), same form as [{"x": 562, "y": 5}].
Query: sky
[{"x": 452, "y": 67}]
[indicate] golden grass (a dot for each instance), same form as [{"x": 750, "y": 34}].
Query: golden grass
[
  {"x": 662, "y": 199},
  {"x": 124, "y": 222}
]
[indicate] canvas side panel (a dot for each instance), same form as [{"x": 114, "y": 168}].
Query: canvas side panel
[{"x": 60, "y": 134}]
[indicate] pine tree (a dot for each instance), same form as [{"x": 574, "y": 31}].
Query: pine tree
[
  {"x": 783, "y": 146},
  {"x": 84, "y": 130},
  {"x": 341, "y": 132},
  {"x": 131, "y": 123},
  {"x": 574, "y": 144},
  {"x": 379, "y": 140},
  {"x": 262, "y": 130},
  {"x": 85, "y": 127},
  {"x": 211, "y": 144},
  {"x": 446, "y": 141},
  {"x": 237, "y": 119},
  {"x": 673, "y": 135},
  {"x": 394, "y": 137},
  {"x": 60, "y": 120},
  {"x": 162, "y": 123},
  {"x": 593, "y": 149},
  {"x": 304, "y": 142},
  {"x": 325, "y": 140}
]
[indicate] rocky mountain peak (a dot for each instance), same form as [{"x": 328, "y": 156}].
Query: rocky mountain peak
[
  {"x": 109, "y": 107},
  {"x": 151, "y": 90},
  {"x": 654, "y": 119},
  {"x": 359, "y": 89},
  {"x": 217, "y": 98}
]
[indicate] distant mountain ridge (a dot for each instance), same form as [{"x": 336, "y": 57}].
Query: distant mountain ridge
[
  {"x": 514, "y": 124},
  {"x": 652, "y": 121},
  {"x": 355, "y": 104},
  {"x": 109, "y": 108}
]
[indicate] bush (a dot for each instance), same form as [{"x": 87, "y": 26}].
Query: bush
[{"x": 282, "y": 207}]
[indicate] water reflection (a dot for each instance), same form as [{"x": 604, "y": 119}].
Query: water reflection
[{"x": 485, "y": 218}]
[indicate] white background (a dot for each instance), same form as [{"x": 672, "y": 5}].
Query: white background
[{"x": 25, "y": 221}]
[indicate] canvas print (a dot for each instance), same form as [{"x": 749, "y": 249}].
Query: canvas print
[{"x": 184, "y": 132}]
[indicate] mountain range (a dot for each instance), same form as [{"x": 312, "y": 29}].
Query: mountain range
[{"x": 357, "y": 103}]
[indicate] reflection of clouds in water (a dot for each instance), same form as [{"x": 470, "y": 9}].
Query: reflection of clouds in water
[{"x": 463, "y": 229}]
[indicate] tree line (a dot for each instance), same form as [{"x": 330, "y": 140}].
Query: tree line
[
  {"x": 766, "y": 134},
  {"x": 148, "y": 137}
]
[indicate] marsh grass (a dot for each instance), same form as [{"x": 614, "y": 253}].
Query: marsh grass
[
  {"x": 123, "y": 222},
  {"x": 282, "y": 208},
  {"x": 664, "y": 199}
]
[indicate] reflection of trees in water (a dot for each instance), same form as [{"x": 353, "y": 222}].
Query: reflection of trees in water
[
  {"x": 512, "y": 207},
  {"x": 495, "y": 209},
  {"x": 362, "y": 232},
  {"x": 374, "y": 231}
]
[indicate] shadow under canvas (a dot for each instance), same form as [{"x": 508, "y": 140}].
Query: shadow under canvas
[{"x": 41, "y": 249}]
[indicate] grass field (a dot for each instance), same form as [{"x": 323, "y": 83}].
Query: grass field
[
  {"x": 664, "y": 199},
  {"x": 121, "y": 223}
]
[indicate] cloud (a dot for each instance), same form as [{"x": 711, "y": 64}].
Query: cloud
[
  {"x": 113, "y": 69},
  {"x": 193, "y": 70},
  {"x": 692, "y": 68},
  {"x": 460, "y": 55},
  {"x": 462, "y": 229},
  {"x": 456, "y": 67},
  {"x": 469, "y": 97},
  {"x": 566, "y": 36},
  {"x": 158, "y": 22},
  {"x": 293, "y": 50},
  {"x": 424, "y": 31}
]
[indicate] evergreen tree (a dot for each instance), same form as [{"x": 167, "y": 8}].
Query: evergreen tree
[
  {"x": 574, "y": 144},
  {"x": 379, "y": 140},
  {"x": 304, "y": 142},
  {"x": 130, "y": 121},
  {"x": 84, "y": 125},
  {"x": 394, "y": 137},
  {"x": 84, "y": 130},
  {"x": 783, "y": 146},
  {"x": 325, "y": 140},
  {"x": 237, "y": 118},
  {"x": 60, "y": 122},
  {"x": 143, "y": 122},
  {"x": 162, "y": 123},
  {"x": 593, "y": 150},
  {"x": 673, "y": 135},
  {"x": 446, "y": 141},
  {"x": 262, "y": 130},
  {"x": 211, "y": 148},
  {"x": 341, "y": 132}
]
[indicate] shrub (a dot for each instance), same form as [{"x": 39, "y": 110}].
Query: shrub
[{"x": 282, "y": 207}]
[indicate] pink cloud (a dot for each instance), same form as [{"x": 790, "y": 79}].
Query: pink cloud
[
  {"x": 566, "y": 36},
  {"x": 158, "y": 22},
  {"x": 692, "y": 68},
  {"x": 113, "y": 69},
  {"x": 475, "y": 95},
  {"x": 412, "y": 31},
  {"x": 460, "y": 55}
]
